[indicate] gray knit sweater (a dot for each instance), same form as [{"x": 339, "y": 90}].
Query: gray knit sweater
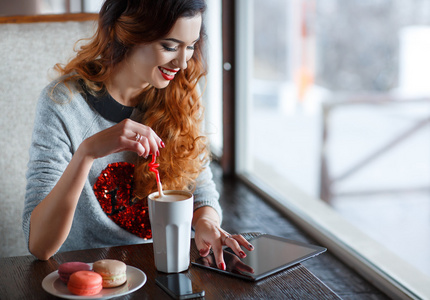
[{"x": 59, "y": 128}]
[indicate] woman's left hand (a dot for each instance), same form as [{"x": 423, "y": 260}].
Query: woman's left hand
[{"x": 208, "y": 234}]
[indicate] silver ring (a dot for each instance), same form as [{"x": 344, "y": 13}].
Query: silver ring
[
  {"x": 228, "y": 236},
  {"x": 138, "y": 137}
]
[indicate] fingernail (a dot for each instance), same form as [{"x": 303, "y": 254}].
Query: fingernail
[
  {"x": 157, "y": 153},
  {"x": 222, "y": 266},
  {"x": 242, "y": 254},
  {"x": 202, "y": 252},
  {"x": 250, "y": 246},
  {"x": 162, "y": 144}
]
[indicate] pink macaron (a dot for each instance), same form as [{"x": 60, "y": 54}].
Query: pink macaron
[{"x": 68, "y": 268}]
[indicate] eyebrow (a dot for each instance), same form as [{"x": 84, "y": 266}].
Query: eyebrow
[{"x": 179, "y": 41}]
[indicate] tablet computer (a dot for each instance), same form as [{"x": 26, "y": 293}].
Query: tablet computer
[{"x": 271, "y": 254}]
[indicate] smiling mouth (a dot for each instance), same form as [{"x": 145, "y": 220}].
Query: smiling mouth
[{"x": 168, "y": 74}]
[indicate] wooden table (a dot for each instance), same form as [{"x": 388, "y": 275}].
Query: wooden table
[{"x": 21, "y": 277}]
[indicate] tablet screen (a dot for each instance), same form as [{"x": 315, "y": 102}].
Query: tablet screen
[{"x": 271, "y": 254}]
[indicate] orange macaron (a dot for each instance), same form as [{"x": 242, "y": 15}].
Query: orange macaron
[
  {"x": 85, "y": 283},
  {"x": 112, "y": 271}
]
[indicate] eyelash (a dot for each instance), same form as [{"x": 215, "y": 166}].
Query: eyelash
[
  {"x": 168, "y": 48},
  {"x": 175, "y": 49}
]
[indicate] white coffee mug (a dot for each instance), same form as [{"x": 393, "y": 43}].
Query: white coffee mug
[{"x": 171, "y": 218}]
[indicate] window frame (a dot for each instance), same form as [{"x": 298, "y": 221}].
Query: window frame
[{"x": 228, "y": 158}]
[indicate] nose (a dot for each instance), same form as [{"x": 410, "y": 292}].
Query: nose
[{"x": 181, "y": 60}]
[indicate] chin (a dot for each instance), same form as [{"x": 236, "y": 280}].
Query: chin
[{"x": 161, "y": 85}]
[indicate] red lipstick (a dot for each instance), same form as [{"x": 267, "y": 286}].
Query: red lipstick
[{"x": 168, "y": 74}]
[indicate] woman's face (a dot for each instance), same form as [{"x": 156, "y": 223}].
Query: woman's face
[{"x": 157, "y": 63}]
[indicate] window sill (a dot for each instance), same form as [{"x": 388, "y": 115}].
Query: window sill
[{"x": 377, "y": 264}]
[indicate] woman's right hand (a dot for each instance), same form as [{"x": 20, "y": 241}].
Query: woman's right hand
[
  {"x": 127, "y": 135},
  {"x": 51, "y": 220}
]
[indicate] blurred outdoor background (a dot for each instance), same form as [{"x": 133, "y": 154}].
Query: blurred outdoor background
[{"x": 341, "y": 107}]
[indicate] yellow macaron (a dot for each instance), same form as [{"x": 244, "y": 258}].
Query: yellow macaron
[{"x": 112, "y": 271}]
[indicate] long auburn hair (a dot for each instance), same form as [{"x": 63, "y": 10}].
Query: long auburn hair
[{"x": 175, "y": 113}]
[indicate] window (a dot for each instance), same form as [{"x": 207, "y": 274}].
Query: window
[{"x": 333, "y": 103}]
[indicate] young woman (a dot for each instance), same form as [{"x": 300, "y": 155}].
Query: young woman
[{"x": 129, "y": 94}]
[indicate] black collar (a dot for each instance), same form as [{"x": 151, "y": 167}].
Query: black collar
[{"x": 108, "y": 107}]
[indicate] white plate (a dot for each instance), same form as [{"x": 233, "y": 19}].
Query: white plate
[{"x": 135, "y": 280}]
